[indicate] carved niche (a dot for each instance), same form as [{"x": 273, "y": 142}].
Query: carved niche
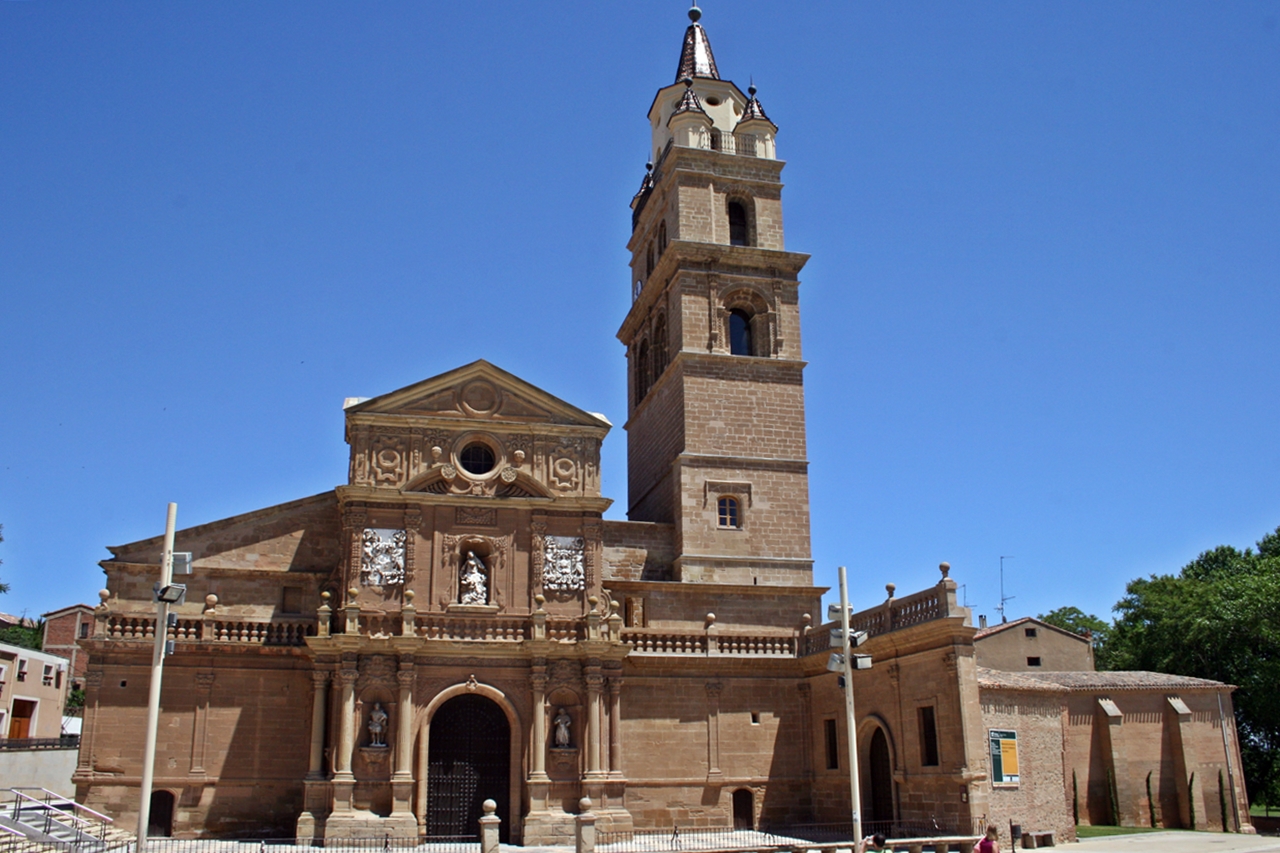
[
  {"x": 493, "y": 552},
  {"x": 382, "y": 557}
]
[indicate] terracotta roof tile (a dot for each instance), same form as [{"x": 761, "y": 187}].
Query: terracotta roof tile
[{"x": 1066, "y": 682}]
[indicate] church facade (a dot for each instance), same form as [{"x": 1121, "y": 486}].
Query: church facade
[{"x": 459, "y": 622}]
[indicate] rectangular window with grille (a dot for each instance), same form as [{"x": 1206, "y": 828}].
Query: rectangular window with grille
[
  {"x": 833, "y": 745},
  {"x": 928, "y": 737}
]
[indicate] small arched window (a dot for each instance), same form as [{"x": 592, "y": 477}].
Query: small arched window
[
  {"x": 662, "y": 237},
  {"x": 738, "y": 224},
  {"x": 642, "y": 371},
  {"x": 740, "y": 332},
  {"x": 727, "y": 512},
  {"x": 648, "y": 264}
]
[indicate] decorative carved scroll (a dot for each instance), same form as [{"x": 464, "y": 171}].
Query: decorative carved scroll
[
  {"x": 563, "y": 560},
  {"x": 382, "y": 557},
  {"x": 475, "y": 516},
  {"x": 539, "y": 533}
]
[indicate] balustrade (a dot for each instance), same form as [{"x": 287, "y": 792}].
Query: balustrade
[{"x": 274, "y": 633}]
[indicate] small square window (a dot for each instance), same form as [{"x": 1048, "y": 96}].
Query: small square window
[
  {"x": 84, "y": 630},
  {"x": 291, "y": 599},
  {"x": 728, "y": 514},
  {"x": 1033, "y": 661},
  {"x": 755, "y": 718},
  {"x": 1030, "y": 632}
]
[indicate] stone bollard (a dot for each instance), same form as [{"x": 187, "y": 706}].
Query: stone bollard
[
  {"x": 584, "y": 828},
  {"x": 489, "y": 827}
]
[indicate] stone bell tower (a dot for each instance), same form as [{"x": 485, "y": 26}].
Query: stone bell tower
[{"x": 716, "y": 431}]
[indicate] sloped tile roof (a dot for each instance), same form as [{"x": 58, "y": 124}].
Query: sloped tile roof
[
  {"x": 1069, "y": 682},
  {"x": 696, "y": 58}
]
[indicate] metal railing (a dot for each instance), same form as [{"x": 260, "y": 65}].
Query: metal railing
[
  {"x": 686, "y": 840},
  {"x": 425, "y": 844},
  {"x": 929, "y": 827},
  {"x": 48, "y": 816},
  {"x": 63, "y": 742}
]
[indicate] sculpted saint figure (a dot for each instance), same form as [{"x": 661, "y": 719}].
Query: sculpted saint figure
[
  {"x": 377, "y": 726},
  {"x": 474, "y": 581},
  {"x": 562, "y": 722}
]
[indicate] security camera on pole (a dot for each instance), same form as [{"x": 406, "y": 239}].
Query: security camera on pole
[
  {"x": 167, "y": 592},
  {"x": 845, "y": 661}
]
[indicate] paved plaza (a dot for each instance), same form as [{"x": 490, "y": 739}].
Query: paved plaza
[{"x": 1179, "y": 842}]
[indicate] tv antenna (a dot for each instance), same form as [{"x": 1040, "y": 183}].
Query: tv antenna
[{"x": 1003, "y": 597}]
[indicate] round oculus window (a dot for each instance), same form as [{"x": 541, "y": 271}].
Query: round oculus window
[
  {"x": 476, "y": 458},
  {"x": 713, "y": 101}
]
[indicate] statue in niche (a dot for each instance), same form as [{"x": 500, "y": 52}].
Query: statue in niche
[
  {"x": 474, "y": 581},
  {"x": 562, "y": 722},
  {"x": 377, "y": 726}
]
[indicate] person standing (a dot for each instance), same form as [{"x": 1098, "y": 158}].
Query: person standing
[{"x": 991, "y": 842}]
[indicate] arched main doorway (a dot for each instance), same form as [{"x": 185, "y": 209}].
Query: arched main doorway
[
  {"x": 468, "y": 762},
  {"x": 881, "y": 777}
]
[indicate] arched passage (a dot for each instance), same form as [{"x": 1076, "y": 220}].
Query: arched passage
[
  {"x": 468, "y": 762},
  {"x": 160, "y": 817},
  {"x": 743, "y": 809},
  {"x": 881, "y": 777}
]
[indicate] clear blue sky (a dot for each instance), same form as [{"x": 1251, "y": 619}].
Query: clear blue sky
[{"x": 1041, "y": 314}]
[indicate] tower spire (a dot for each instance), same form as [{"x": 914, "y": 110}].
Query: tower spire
[{"x": 696, "y": 58}]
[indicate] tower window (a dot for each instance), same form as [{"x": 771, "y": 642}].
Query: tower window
[
  {"x": 659, "y": 347},
  {"x": 648, "y": 264},
  {"x": 1033, "y": 661},
  {"x": 662, "y": 237},
  {"x": 642, "y": 371},
  {"x": 739, "y": 332},
  {"x": 728, "y": 512},
  {"x": 737, "y": 224},
  {"x": 476, "y": 458}
]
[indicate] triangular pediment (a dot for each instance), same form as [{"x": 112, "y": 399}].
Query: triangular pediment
[{"x": 478, "y": 391}]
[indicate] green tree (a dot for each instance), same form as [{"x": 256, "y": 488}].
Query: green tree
[
  {"x": 1218, "y": 618},
  {"x": 1076, "y": 621},
  {"x": 24, "y": 636}
]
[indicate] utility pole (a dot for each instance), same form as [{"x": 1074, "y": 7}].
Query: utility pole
[
  {"x": 1003, "y": 597},
  {"x": 850, "y": 719},
  {"x": 157, "y": 670}
]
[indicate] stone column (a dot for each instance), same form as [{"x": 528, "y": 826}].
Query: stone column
[
  {"x": 538, "y": 683},
  {"x": 92, "y": 692},
  {"x": 615, "y": 726},
  {"x": 594, "y": 682},
  {"x": 200, "y": 733},
  {"x": 713, "y": 733},
  {"x": 319, "y": 683},
  {"x": 347, "y": 723},
  {"x": 402, "y": 781}
]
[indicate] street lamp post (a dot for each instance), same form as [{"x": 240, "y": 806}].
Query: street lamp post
[
  {"x": 166, "y": 593},
  {"x": 855, "y": 794}
]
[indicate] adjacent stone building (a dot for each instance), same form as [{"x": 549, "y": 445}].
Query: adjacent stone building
[{"x": 459, "y": 622}]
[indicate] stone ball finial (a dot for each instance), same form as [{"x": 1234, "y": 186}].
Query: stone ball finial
[
  {"x": 694, "y": 13},
  {"x": 889, "y": 588},
  {"x": 614, "y": 606},
  {"x": 408, "y": 596},
  {"x": 353, "y": 592},
  {"x": 584, "y": 804},
  {"x": 325, "y": 596},
  {"x": 489, "y": 806},
  {"x": 711, "y": 619},
  {"x": 806, "y": 619},
  {"x": 594, "y": 601},
  {"x": 945, "y": 568},
  {"x": 540, "y": 599},
  {"x": 211, "y": 601},
  {"x": 103, "y": 595}
]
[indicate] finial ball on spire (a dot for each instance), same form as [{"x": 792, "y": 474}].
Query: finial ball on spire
[
  {"x": 688, "y": 82},
  {"x": 694, "y": 13},
  {"x": 751, "y": 90}
]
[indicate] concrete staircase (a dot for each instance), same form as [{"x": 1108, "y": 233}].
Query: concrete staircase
[{"x": 36, "y": 820}]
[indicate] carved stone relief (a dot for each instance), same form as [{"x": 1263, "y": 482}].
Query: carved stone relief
[
  {"x": 492, "y": 555},
  {"x": 563, "y": 568},
  {"x": 475, "y": 516},
  {"x": 382, "y": 557},
  {"x": 388, "y": 458},
  {"x": 377, "y": 671}
]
